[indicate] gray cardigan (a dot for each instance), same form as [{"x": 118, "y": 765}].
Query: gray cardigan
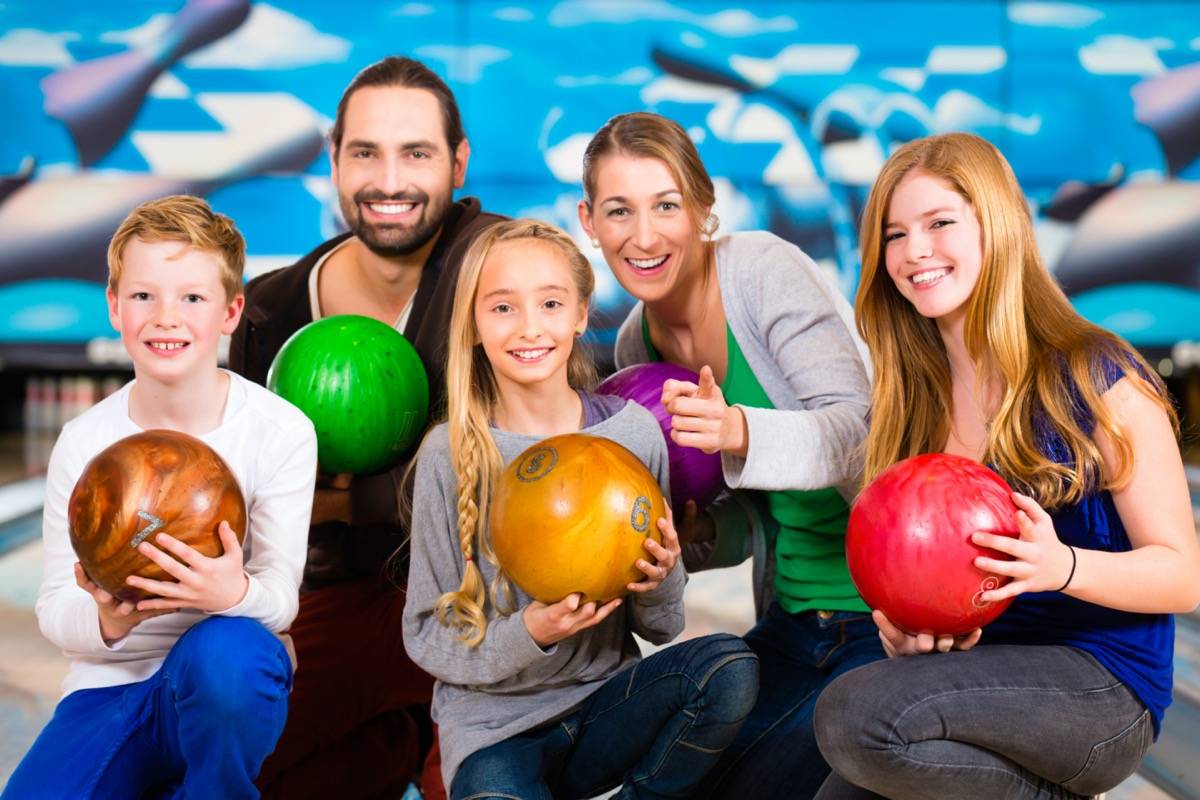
[
  {"x": 508, "y": 684},
  {"x": 797, "y": 334}
]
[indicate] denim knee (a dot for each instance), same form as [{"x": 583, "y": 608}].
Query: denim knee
[
  {"x": 226, "y": 663},
  {"x": 730, "y": 682}
]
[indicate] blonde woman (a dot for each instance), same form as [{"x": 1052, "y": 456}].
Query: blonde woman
[
  {"x": 978, "y": 353},
  {"x": 782, "y": 396},
  {"x": 535, "y": 700}
]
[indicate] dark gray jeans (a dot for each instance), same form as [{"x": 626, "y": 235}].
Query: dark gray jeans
[{"x": 999, "y": 721}]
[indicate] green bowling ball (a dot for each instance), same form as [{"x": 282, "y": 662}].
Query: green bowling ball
[{"x": 362, "y": 385}]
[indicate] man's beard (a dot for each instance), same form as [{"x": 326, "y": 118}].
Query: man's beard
[{"x": 393, "y": 241}]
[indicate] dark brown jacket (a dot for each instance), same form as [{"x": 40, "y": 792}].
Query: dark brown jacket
[{"x": 278, "y": 304}]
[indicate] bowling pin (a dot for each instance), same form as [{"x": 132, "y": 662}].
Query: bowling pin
[{"x": 98, "y": 100}]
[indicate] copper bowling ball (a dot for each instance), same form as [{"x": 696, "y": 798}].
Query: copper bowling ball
[
  {"x": 151, "y": 482},
  {"x": 571, "y": 514}
]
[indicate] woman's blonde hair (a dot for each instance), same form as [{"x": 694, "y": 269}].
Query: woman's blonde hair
[
  {"x": 1019, "y": 328},
  {"x": 472, "y": 394}
]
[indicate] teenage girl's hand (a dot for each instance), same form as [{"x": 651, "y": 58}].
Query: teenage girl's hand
[
  {"x": 117, "y": 617},
  {"x": 552, "y": 623},
  {"x": 700, "y": 418},
  {"x": 898, "y": 643},
  {"x": 666, "y": 555},
  {"x": 1040, "y": 561},
  {"x": 207, "y": 584}
]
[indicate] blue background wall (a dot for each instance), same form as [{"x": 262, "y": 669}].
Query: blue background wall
[{"x": 794, "y": 106}]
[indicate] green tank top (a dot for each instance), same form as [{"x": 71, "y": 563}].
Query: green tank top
[{"x": 810, "y": 550}]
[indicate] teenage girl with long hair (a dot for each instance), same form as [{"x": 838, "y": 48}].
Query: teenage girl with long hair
[
  {"x": 782, "y": 395},
  {"x": 977, "y": 352},
  {"x": 535, "y": 700}
]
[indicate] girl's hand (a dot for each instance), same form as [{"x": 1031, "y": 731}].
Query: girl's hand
[
  {"x": 207, "y": 584},
  {"x": 548, "y": 624},
  {"x": 897, "y": 643},
  {"x": 666, "y": 555},
  {"x": 700, "y": 418},
  {"x": 117, "y": 617},
  {"x": 1040, "y": 561}
]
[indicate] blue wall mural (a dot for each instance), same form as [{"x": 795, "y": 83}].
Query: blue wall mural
[{"x": 794, "y": 106}]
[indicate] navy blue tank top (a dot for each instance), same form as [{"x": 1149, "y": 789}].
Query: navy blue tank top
[{"x": 1138, "y": 649}]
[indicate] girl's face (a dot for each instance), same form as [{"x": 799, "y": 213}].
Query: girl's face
[
  {"x": 933, "y": 246},
  {"x": 528, "y": 312},
  {"x": 646, "y": 235}
]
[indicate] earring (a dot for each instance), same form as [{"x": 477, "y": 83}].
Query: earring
[
  {"x": 579, "y": 331},
  {"x": 595, "y": 242}
]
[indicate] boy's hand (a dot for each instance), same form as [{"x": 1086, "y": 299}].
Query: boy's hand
[
  {"x": 207, "y": 584},
  {"x": 666, "y": 555},
  {"x": 548, "y": 624},
  {"x": 117, "y": 618}
]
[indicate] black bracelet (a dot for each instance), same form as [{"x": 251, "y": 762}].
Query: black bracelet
[{"x": 1074, "y": 561}]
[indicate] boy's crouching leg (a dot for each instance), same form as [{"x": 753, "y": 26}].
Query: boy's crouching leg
[{"x": 228, "y": 679}]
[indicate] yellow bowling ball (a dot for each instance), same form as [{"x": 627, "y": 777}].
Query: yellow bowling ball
[{"x": 570, "y": 514}]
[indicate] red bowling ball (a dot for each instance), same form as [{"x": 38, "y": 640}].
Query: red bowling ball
[{"x": 909, "y": 548}]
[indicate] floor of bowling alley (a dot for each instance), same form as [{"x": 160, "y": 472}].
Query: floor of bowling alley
[{"x": 31, "y": 668}]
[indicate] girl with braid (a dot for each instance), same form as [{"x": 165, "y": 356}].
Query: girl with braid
[{"x": 535, "y": 700}]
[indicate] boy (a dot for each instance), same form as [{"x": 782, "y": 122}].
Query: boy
[{"x": 184, "y": 694}]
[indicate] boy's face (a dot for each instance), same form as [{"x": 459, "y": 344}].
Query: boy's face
[{"x": 170, "y": 309}]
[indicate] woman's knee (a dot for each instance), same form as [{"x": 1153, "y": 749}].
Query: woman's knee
[{"x": 729, "y": 683}]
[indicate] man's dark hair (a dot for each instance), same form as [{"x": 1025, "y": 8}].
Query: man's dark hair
[{"x": 406, "y": 73}]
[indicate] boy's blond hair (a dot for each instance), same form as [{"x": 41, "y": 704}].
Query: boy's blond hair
[{"x": 185, "y": 219}]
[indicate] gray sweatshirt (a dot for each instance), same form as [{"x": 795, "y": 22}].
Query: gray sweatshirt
[
  {"x": 797, "y": 334},
  {"x": 508, "y": 684}
]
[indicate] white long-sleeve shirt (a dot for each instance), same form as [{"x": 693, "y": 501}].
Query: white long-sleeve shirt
[{"x": 271, "y": 448}]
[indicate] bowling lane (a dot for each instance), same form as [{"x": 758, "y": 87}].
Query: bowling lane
[
  {"x": 20, "y": 513},
  {"x": 1171, "y": 763},
  {"x": 31, "y": 669}
]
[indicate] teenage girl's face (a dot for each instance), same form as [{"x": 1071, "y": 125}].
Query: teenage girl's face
[
  {"x": 932, "y": 246},
  {"x": 638, "y": 216},
  {"x": 528, "y": 313}
]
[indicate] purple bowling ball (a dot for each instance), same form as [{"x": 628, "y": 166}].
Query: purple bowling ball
[{"x": 695, "y": 475}]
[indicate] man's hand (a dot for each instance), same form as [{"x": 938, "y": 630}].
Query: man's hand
[{"x": 331, "y": 499}]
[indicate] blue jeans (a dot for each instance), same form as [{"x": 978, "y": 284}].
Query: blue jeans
[
  {"x": 998, "y": 721},
  {"x": 775, "y": 753},
  {"x": 654, "y": 728},
  {"x": 199, "y": 727}
]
